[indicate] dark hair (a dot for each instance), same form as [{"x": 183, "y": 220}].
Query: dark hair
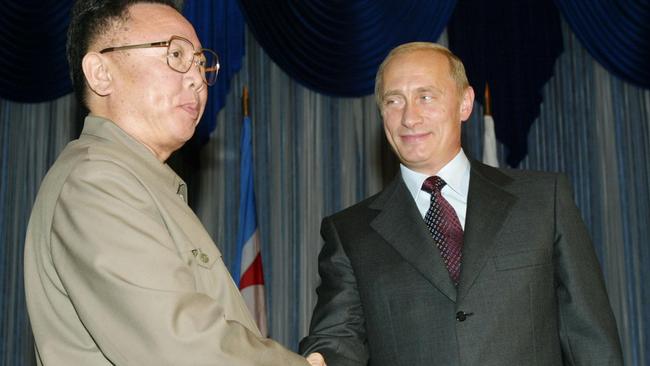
[{"x": 90, "y": 20}]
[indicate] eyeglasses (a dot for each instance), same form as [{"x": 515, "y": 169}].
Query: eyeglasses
[{"x": 181, "y": 56}]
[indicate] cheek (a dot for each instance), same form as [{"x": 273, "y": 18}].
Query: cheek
[
  {"x": 156, "y": 103},
  {"x": 203, "y": 97},
  {"x": 160, "y": 95},
  {"x": 392, "y": 119},
  {"x": 438, "y": 117},
  {"x": 434, "y": 110},
  {"x": 390, "y": 129}
]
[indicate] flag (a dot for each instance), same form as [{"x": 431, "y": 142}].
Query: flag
[
  {"x": 248, "y": 269},
  {"x": 489, "y": 142},
  {"x": 489, "y": 137}
]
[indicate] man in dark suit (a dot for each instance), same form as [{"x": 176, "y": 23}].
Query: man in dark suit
[{"x": 477, "y": 266}]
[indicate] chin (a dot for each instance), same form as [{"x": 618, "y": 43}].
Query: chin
[
  {"x": 187, "y": 137},
  {"x": 184, "y": 133}
]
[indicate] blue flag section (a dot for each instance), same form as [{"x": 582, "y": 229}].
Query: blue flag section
[{"x": 247, "y": 210}]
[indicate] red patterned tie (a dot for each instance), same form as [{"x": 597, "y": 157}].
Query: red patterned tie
[{"x": 443, "y": 223}]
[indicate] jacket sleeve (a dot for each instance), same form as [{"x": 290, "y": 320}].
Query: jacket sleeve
[
  {"x": 134, "y": 294},
  {"x": 587, "y": 326},
  {"x": 337, "y": 327}
]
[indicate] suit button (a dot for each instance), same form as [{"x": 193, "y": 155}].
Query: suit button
[{"x": 461, "y": 316}]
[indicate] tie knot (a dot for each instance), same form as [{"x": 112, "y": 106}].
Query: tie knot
[{"x": 433, "y": 184}]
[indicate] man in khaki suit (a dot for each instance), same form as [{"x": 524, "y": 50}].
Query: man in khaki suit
[{"x": 118, "y": 269}]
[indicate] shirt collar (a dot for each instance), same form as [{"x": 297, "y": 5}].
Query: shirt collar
[{"x": 455, "y": 173}]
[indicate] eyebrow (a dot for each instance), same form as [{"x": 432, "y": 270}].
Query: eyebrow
[
  {"x": 391, "y": 93},
  {"x": 427, "y": 88}
]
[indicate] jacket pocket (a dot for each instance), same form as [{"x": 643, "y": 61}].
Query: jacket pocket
[{"x": 522, "y": 260}]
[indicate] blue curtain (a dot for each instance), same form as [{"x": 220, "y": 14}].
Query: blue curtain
[
  {"x": 615, "y": 32},
  {"x": 31, "y": 137},
  {"x": 33, "y": 66},
  {"x": 335, "y": 47},
  {"x": 220, "y": 26},
  {"x": 501, "y": 44}
]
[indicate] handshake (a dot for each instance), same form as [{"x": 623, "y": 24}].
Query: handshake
[{"x": 316, "y": 359}]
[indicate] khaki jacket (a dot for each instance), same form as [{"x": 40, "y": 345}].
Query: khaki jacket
[{"x": 119, "y": 270}]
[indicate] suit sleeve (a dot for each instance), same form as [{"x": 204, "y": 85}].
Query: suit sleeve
[
  {"x": 337, "y": 327},
  {"x": 587, "y": 325},
  {"x": 132, "y": 291}
]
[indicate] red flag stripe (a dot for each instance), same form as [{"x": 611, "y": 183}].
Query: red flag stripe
[{"x": 254, "y": 275}]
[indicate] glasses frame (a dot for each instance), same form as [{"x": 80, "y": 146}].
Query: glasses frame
[{"x": 195, "y": 60}]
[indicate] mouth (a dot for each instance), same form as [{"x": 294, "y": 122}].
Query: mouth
[
  {"x": 414, "y": 138},
  {"x": 192, "y": 109}
]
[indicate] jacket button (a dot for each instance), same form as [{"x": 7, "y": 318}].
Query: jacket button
[{"x": 461, "y": 316}]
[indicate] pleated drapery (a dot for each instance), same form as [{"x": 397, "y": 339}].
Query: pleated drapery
[
  {"x": 336, "y": 47},
  {"x": 33, "y": 65},
  {"x": 220, "y": 26},
  {"x": 501, "y": 44},
  {"x": 31, "y": 137},
  {"x": 615, "y": 32}
]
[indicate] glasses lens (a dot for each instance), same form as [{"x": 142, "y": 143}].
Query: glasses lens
[
  {"x": 179, "y": 54},
  {"x": 181, "y": 57},
  {"x": 209, "y": 63}
]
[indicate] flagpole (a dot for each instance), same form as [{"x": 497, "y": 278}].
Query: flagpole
[
  {"x": 488, "y": 102},
  {"x": 244, "y": 101}
]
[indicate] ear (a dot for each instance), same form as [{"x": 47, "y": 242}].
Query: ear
[
  {"x": 97, "y": 72},
  {"x": 466, "y": 103}
]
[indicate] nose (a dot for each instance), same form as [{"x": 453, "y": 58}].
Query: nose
[
  {"x": 411, "y": 115},
  {"x": 194, "y": 77}
]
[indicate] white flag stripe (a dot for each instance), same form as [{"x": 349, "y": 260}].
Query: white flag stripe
[
  {"x": 249, "y": 252},
  {"x": 489, "y": 143}
]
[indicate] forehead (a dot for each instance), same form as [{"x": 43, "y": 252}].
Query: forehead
[
  {"x": 421, "y": 64},
  {"x": 156, "y": 22}
]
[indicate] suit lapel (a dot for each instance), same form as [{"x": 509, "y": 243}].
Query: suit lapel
[
  {"x": 488, "y": 207},
  {"x": 401, "y": 225}
]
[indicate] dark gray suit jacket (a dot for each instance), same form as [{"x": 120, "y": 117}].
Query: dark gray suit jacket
[{"x": 531, "y": 289}]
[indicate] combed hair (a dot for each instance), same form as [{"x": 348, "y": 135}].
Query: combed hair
[
  {"x": 90, "y": 20},
  {"x": 455, "y": 65}
]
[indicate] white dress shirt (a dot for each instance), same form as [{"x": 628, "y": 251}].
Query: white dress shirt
[{"x": 455, "y": 174}]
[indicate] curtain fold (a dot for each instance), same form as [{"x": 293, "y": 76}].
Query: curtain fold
[
  {"x": 616, "y": 33},
  {"x": 336, "y": 47},
  {"x": 31, "y": 137},
  {"x": 501, "y": 44},
  {"x": 220, "y": 27},
  {"x": 33, "y": 65}
]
